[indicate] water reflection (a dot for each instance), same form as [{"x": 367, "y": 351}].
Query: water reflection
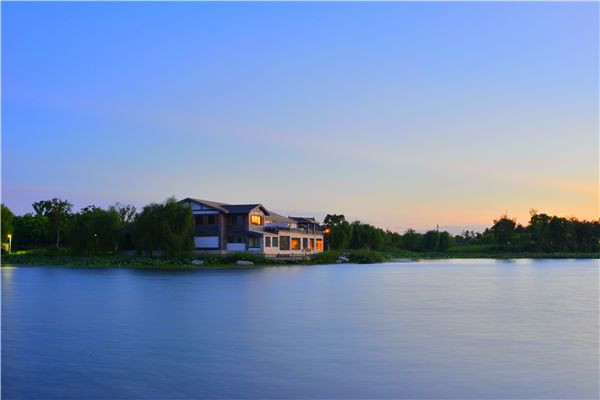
[{"x": 440, "y": 329}]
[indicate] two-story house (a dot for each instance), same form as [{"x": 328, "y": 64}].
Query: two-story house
[{"x": 223, "y": 228}]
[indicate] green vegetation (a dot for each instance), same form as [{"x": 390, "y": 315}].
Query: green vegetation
[
  {"x": 544, "y": 236},
  {"x": 164, "y": 228},
  {"x": 168, "y": 227},
  {"x": 55, "y": 235}
]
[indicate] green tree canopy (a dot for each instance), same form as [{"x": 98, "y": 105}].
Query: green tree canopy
[
  {"x": 94, "y": 230},
  {"x": 7, "y": 218},
  {"x": 504, "y": 229},
  {"x": 57, "y": 211},
  {"x": 167, "y": 226}
]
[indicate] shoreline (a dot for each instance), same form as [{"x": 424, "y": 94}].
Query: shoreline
[{"x": 113, "y": 261}]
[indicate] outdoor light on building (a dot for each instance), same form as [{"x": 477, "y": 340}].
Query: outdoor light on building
[{"x": 9, "y": 242}]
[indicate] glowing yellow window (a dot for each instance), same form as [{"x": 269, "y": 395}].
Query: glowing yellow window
[
  {"x": 295, "y": 244},
  {"x": 319, "y": 244},
  {"x": 256, "y": 220}
]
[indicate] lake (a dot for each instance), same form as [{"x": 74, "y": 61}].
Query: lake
[{"x": 467, "y": 329}]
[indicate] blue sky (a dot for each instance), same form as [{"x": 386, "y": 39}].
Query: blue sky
[{"x": 399, "y": 114}]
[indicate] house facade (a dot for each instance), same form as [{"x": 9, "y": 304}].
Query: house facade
[{"x": 224, "y": 228}]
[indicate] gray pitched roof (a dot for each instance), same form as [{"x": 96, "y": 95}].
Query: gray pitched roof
[
  {"x": 309, "y": 220},
  {"x": 213, "y": 204},
  {"x": 280, "y": 218},
  {"x": 241, "y": 208},
  {"x": 228, "y": 208}
]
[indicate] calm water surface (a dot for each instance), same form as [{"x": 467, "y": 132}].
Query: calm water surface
[{"x": 444, "y": 329}]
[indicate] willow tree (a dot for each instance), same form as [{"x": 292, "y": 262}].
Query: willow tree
[{"x": 168, "y": 227}]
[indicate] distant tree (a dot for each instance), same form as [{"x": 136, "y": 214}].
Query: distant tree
[
  {"x": 540, "y": 231},
  {"x": 558, "y": 230},
  {"x": 340, "y": 236},
  {"x": 127, "y": 212},
  {"x": 168, "y": 226},
  {"x": 430, "y": 240},
  {"x": 30, "y": 231},
  {"x": 94, "y": 230},
  {"x": 503, "y": 230},
  {"x": 332, "y": 220},
  {"x": 57, "y": 211},
  {"x": 444, "y": 241},
  {"x": 412, "y": 240},
  {"x": 7, "y": 218},
  {"x": 586, "y": 235}
]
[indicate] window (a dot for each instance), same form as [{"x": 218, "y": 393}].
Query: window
[
  {"x": 275, "y": 242},
  {"x": 311, "y": 244},
  {"x": 284, "y": 243},
  {"x": 235, "y": 220},
  {"x": 267, "y": 241},
  {"x": 210, "y": 219},
  {"x": 305, "y": 243},
  {"x": 295, "y": 244},
  {"x": 319, "y": 244},
  {"x": 253, "y": 241},
  {"x": 235, "y": 239},
  {"x": 198, "y": 219},
  {"x": 256, "y": 220}
]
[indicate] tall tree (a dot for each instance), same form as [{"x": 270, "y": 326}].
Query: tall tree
[
  {"x": 504, "y": 229},
  {"x": 168, "y": 226},
  {"x": 6, "y": 221},
  {"x": 57, "y": 211},
  {"x": 127, "y": 212},
  {"x": 332, "y": 220},
  {"x": 94, "y": 230}
]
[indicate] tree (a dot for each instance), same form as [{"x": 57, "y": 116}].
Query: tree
[
  {"x": 444, "y": 241},
  {"x": 94, "y": 230},
  {"x": 503, "y": 229},
  {"x": 412, "y": 240},
  {"x": 57, "y": 211},
  {"x": 127, "y": 212},
  {"x": 30, "y": 231},
  {"x": 7, "y": 218},
  {"x": 340, "y": 236},
  {"x": 434, "y": 240},
  {"x": 168, "y": 226},
  {"x": 558, "y": 230},
  {"x": 332, "y": 220},
  {"x": 540, "y": 232}
]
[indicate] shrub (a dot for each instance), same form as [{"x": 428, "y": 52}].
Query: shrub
[{"x": 364, "y": 256}]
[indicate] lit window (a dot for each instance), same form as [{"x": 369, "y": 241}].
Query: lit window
[
  {"x": 319, "y": 244},
  {"x": 311, "y": 244},
  {"x": 256, "y": 220},
  {"x": 295, "y": 244}
]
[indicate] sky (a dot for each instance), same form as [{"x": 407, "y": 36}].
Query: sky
[{"x": 397, "y": 114}]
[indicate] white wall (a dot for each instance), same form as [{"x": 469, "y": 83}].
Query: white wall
[
  {"x": 236, "y": 246},
  {"x": 206, "y": 242}
]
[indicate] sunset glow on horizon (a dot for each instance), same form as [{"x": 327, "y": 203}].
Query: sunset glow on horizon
[{"x": 397, "y": 114}]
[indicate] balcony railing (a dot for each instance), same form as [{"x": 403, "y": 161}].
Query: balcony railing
[{"x": 277, "y": 229}]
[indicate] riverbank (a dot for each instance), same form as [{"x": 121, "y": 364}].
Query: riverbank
[{"x": 229, "y": 261}]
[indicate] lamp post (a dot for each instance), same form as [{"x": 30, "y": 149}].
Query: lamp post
[{"x": 9, "y": 242}]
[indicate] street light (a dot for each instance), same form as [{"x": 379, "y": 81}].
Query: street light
[{"x": 9, "y": 242}]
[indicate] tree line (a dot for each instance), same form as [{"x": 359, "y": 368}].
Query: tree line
[
  {"x": 166, "y": 227},
  {"x": 543, "y": 233}
]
